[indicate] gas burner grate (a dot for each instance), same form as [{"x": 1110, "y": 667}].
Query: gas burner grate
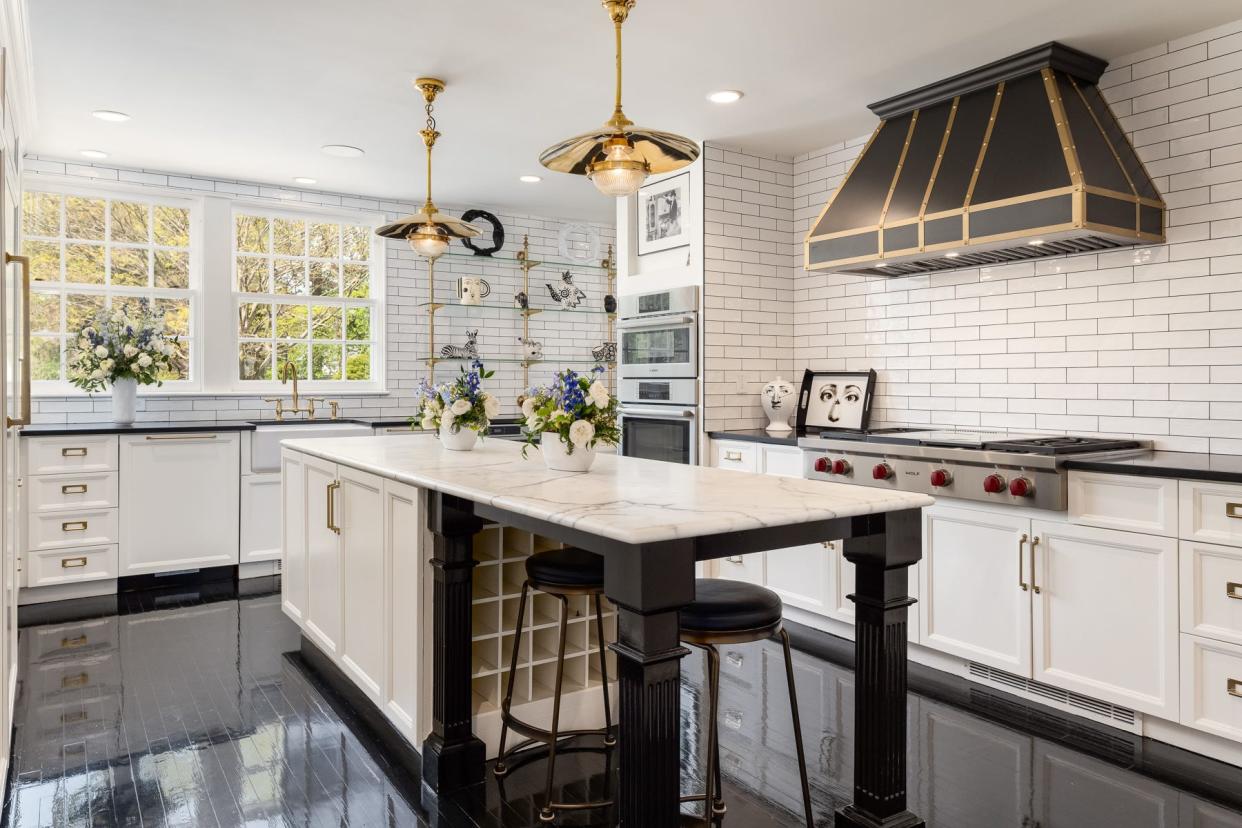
[{"x": 1060, "y": 445}]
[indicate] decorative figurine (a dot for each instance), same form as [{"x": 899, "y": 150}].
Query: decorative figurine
[
  {"x": 472, "y": 289},
  {"x": 498, "y": 232},
  {"x": 567, "y": 295},
  {"x": 773, "y": 396},
  {"x": 468, "y": 351},
  {"x": 610, "y": 304},
  {"x": 533, "y": 349},
  {"x": 605, "y": 352},
  {"x": 520, "y": 300}
]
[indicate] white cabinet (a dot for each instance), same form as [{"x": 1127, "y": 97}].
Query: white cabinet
[
  {"x": 1211, "y": 512},
  {"x": 360, "y": 518},
  {"x": 323, "y": 556},
  {"x": 1212, "y": 686},
  {"x": 1130, "y": 503},
  {"x": 293, "y": 513},
  {"x": 179, "y": 501},
  {"x": 1211, "y": 590},
  {"x": 1106, "y": 620},
  {"x": 975, "y": 596},
  {"x": 260, "y": 525},
  {"x": 403, "y": 527}
]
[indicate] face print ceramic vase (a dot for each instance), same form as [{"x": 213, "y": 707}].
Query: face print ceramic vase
[{"x": 777, "y": 399}]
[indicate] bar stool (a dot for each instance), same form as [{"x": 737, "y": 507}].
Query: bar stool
[
  {"x": 734, "y": 612},
  {"x": 562, "y": 573}
]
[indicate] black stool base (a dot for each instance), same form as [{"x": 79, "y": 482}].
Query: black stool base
[{"x": 851, "y": 817}]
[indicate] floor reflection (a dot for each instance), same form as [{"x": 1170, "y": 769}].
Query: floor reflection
[{"x": 184, "y": 711}]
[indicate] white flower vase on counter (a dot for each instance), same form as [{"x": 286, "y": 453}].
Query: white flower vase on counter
[
  {"x": 463, "y": 439},
  {"x": 775, "y": 397},
  {"x": 124, "y": 400},
  {"x": 556, "y": 454}
]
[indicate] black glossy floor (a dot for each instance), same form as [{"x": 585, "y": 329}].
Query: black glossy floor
[{"x": 181, "y": 709}]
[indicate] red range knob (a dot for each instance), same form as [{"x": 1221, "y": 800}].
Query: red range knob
[
  {"x": 821, "y": 465},
  {"x": 940, "y": 478},
  {"x": 1021, "y": 487},
  {"x": 994, "y": 484},
  {"x": 882, "y": 471},
  {"x": 840, "y": 466}
]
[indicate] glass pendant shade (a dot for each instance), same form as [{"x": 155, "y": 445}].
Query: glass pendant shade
[
  {"x": 621, "y": 172},
  {"x": 429, "y": 241}
]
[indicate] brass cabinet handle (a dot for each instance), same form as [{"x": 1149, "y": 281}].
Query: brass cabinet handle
[
  {"x": 332, "y": 487},
  {"x": 1034, "y": 543},
  {"x": 74, "y": 488},
  {"x": 72, "y": 563},
  {"x": 24, "y": 417},
  {"x": 733, "y": 456},
  {"x": 182, "y": 436},
  {"x": 734, "y": 559},
  {"x": 1234, "y": 688},
  {"x": 73, "y": 641},
  {"x": 73, "y": 526},
  {"x": 1233, "y": 590},
  {"x": 1021, "y": 543},
  {"x": 79, "y": 680},
  {"x": 1233, "y": 510},
  {"x": 73, "y": 452}
]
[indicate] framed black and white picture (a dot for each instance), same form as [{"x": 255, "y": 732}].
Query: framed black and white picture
[
  {"x": 664, "y": 215},
  {"x": 838, "y": 400}
]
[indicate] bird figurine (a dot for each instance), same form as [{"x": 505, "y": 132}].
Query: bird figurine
[{"x": 567, "y": 294}]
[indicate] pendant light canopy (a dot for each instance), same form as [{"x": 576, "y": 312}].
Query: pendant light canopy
[
  {"x": 429, "y": 231},
  {"x": 619, "y": 156}
]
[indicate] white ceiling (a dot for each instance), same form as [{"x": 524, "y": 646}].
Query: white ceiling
[{"x": 250, "y": 89}]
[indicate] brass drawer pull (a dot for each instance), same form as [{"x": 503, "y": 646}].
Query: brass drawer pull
[
  {"x": 79, "y": 680},
  {"x": 72, "y": 642},
  {"x": 182, "y": 436},
  {"x": 73, "y": 526},
  {"x": 1034, "y": 544},
  {"x": 733, "y": 456},
  {"x": 1233, "y": 590},
  {"x": 332, "y": 487},
  {"x": 1021, "y": 543},
  {"x": 72, "y": 563},
  {"x": 734, "y": 559},
  {"x": 74, "y": 488},
  {"x": 1233, "y": 510},
  {"x": 1234, "y": 688},
  {"x": 73, "y": 452}
]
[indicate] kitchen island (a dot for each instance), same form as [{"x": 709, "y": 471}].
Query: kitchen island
[{"x": 417, "y": 509}]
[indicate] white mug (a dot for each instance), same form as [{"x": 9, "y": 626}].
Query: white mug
[{"x": 472, "y": 289}]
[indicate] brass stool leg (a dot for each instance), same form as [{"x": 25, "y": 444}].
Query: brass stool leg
[
  {"x": 609, "y": 739},
  {"x": 713, "y": 739},
  {"x": 547, "y": 814},
  {"x": 500, "y": 768},
  {"x": 797, "y": 724}
]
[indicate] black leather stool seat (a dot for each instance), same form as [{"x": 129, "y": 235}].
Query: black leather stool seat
[
  {"x": 723, "y": 606},
  {"x": 571, "y": 567}
]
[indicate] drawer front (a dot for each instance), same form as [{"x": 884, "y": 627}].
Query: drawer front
[
  {"x": 1211, "y": 585},
  {"x": 735, "y": 456},
  {"x": 1129, "y": 503},
  {"x": 92, "y": 639},
  {"x": 783, "y": 461},
  {"x": 1211, "y": 512},
  {"x": 81, "y": 491},
  {"x": 66, "y": 566},
  {"x": 1212, "y": 686},
  {"x": 61, "y": 455},
  {"x": 60, "y": 530}
]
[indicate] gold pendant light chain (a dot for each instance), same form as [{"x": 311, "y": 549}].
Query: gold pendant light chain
[
  {"x": 618, "y": 10},
  {"x": 430, "y": 134}
]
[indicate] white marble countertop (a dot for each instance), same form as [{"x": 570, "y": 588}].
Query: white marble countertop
[{"x": 622, "y": 498}]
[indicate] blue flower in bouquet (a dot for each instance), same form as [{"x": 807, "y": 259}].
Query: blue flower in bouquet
[
  {"x": 578, "y": 409},
  {"x": 119, "y": 344}
]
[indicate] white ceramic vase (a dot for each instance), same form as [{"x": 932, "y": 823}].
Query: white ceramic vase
[
  {"x": 463, "y": 440},
  {"x": 557, "y": 458},
  {"x": 777, "y": 397},
  {"x": 124, "y": 400}
]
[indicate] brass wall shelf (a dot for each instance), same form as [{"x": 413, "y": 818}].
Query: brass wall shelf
[
  {"x": 507, "y": 307},
  {"x": 519, "y": 259}
]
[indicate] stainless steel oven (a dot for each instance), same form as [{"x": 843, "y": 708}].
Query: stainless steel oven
[
  {"x": 659, "y": 419},
  {"x": 659, "y": 334}
]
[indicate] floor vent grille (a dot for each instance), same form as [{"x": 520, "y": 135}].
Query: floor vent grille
[{"x": 1065, "y": 698}]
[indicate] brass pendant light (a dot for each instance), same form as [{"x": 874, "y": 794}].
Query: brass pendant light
[
  {"x": 429, "y": 231},
  {"x": 620, "y": 156}
]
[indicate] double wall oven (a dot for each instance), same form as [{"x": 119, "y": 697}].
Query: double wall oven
[{"x": 658, "y": 385}]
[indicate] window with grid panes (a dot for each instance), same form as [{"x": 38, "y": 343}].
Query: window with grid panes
[
  {"x": 90, "y": 252},
  {"x": 305, "y": 293}
]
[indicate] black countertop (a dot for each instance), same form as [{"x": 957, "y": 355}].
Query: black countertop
[
  {"x": 155, "y": 427},
  {"x": 757, "y": 435},
  {"x": 1223, "y": 468}
]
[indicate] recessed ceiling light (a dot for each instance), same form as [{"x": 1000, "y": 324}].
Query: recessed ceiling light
[
  {"x": 110, "y": 115},
  {"x": 342, "y": 150},
  {"x": 301, "y": 179},
  {"x": 94, "y": 153},
  {"x": 529, "y": 179},
  {"x": 725, "y": 96},
  {"x": 951, "y": 255}
]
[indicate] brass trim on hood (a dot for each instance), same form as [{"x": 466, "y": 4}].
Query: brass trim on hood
[
  {"x": 983, "y": 151},
  {"x": 848, "y": 173},
  {"x": 1059, "y": 117},
  {"x": 892, "y": 187},
  {"x": 931, "y": 182}
]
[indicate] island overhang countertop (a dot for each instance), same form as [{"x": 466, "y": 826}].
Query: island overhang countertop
[{"x": 626, "y": 499}]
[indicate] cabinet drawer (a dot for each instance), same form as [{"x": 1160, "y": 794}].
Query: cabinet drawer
[
  {"x": 60, "y": 455},
  {"x": 82, "y": 490},
  {"x": 65, "y": 566},
  {"x": 747, "y": 568},
  {"x": 58, "y": 530},
  {"x": 1128, "y": 503},
  {"x": 735, "y": 456},
  {"x": 1212, "y": 686},
  {"x": 784, "y": 461},
  {"x": 1211, "y": 584},
  {"x": 88, "y": 638},
  {"x": 1211, "y": 512}
]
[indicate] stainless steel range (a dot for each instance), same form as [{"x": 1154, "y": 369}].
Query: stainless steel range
[{"x": 990, "y": 467}]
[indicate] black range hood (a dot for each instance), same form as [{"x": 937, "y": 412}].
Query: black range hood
[{"x": 1016, "y": 160}]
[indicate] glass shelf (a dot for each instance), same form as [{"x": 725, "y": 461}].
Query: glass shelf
[
  {"x": 516, "y": 262},
  {"x": 528, "y": 362},
  {"x": 435, "y": 306}
]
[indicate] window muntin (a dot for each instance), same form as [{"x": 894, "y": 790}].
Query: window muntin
[
  {"x": 305, "y": 292},
  {"x": 90, "y": 252}
]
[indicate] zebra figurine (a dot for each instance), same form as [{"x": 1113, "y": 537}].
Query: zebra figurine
[
  {"x": 468, "y": 351},
  {"x": 567, "y": 295}
]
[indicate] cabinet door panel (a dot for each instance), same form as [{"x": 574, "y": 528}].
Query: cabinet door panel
[
  {"x": 260, "y": 518},
  {"x": 972, "y": 604},
  {"x": 1105, "y": 621},
  {"x": 403, "y": 530},
  {"x": 323, "y": 558},
  {"x": 361, "y": 518},
  {"x": 293, "y": 535},
  {"x": 800, "y": 575}
]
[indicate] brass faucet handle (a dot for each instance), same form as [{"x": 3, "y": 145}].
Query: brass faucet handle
[
  {"x": 336, "y": 409},
  {"x": 280, "y": 406}
]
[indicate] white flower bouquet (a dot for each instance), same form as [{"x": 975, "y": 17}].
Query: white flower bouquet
[
  {"x": 119, "y": 346},
  {"x": 459, "y": 404},
  {"x": 576, "y": 408}
]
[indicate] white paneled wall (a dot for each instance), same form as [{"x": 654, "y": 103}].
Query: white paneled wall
[
  {"x": 563, "y": 335},
  {"x": 1145, "y": 342}
]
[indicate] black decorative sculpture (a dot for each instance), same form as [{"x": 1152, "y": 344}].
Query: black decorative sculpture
[
  {"x": 498, "y": 232},
  {"x": 610, "y": 303}
]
